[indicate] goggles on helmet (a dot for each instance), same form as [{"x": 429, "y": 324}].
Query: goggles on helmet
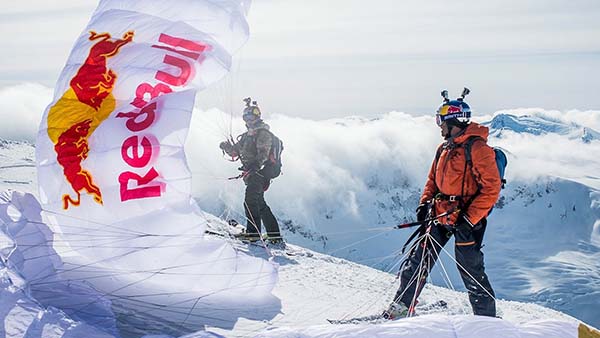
[
  {"x": 438, "y": 120},
  {"x": 251, "y": 113},
  {"x": 249, "y": 117}
]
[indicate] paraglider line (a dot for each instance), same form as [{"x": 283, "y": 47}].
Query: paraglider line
[{"x": 462, "y": 268}]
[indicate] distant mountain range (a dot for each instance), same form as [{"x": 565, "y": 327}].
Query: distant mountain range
[{"x": 539, "y": 125}]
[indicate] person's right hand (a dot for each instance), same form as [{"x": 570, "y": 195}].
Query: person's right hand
[{"x": 422, "y": 210}]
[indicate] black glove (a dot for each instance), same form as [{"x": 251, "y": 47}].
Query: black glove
[
  {"x": 422, "y": 211},
  {"x": 225, "y": 145},
  {"x": 463, "y": 224}
]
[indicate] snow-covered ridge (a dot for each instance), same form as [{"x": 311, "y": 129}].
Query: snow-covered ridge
[
  {"x": 539, "y": 124},
  {"x": 17, "y": 166}
]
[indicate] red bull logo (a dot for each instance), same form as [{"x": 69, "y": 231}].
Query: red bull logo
[
  {"x": 448, "y": 110},
  {"x": 71, "y": 149},
  {"x": 85, "y": 105},
  {"x": 94, "y": 81},
  {"x": 453, "y": 109},
  {"x": 89, "y": 101}
]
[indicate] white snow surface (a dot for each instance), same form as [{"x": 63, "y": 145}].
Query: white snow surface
[
  {"x": 313, "y": 288},
  {"x": 438, "y": 326}
]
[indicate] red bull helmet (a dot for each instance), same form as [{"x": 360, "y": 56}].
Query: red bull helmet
[{"x": 453, "y": 110}]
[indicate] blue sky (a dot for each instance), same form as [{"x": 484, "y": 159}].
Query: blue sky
[{"x": 321, "y": 59}]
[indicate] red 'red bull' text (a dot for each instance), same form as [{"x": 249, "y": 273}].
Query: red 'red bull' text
[{"x": 138, "y": 150}]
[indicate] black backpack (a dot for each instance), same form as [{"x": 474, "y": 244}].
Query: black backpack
[{"x": 273, "y": 165}]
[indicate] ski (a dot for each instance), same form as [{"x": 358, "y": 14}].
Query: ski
[
  {"x": 280, "y": 247},
  {"x": 372, "y": 319},
  {"x": 232, "y": 237},
  {"x": 439, "y": 305},
  {"x": 377, "y": 319}
]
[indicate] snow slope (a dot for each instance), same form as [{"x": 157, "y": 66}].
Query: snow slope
[
  {"x": 312, "y": 288},
  {"x": 17, "y": 166}
]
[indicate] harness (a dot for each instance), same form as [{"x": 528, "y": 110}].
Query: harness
[{"x": 463, "y": 200}]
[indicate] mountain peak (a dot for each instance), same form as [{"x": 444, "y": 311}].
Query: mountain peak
[{"x": 539, "y": 124}]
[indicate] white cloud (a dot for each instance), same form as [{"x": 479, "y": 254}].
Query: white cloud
[
  {"x": 324, "y": 160},
  {"x": 328, "y": 165},
  {"x": 21, "y": 109}
]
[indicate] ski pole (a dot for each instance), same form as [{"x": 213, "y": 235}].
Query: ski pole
[
  {"x": 425, "y": 221},
  {"x": 242, "y": 175}
]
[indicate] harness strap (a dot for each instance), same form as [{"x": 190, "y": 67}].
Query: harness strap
[{"x": 452, "y": 198}]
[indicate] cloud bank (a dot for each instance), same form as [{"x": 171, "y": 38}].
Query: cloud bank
[
  {"x": 21, "y": 109},
  {"x": 330, "y": 164}
]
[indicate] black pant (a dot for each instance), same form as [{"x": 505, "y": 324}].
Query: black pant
[
  {"x": 468, "y": 255},
  {"x": 257, "y": 210}
]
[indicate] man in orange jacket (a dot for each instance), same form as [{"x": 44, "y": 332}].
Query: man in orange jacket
[{"x": 457, "y": 198}]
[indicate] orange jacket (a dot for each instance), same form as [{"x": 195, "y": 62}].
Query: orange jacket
[{"x": 447, "y": 177}]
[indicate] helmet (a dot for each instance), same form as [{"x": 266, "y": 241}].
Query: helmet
[
  {"x": 456, "y": 112},
  {"x": 251, "y": 111},
  {"x": 455, "y": 109}
]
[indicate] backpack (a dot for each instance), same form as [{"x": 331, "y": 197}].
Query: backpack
[
  {"x": 501, "y": 160},
  {"x": 273, "y": 164}
]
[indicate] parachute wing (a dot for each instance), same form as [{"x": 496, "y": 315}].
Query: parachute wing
[{"x": 113, "y": 178}]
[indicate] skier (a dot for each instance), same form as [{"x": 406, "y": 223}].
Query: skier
[
  {"x": 259, "y": 151},
  {"x": 457, "y": 198}
]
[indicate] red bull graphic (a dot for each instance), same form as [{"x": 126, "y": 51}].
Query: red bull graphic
[
  {"x": 72, "y": 145},
  {"x": 453, "y": 109},
  {"x": 94, "y": 81},
  {"x": 144, "y": 181},
  {"x": 75, "y": 116}
]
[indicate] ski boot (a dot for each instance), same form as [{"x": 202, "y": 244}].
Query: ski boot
[
  {"x": 395, "y": 311},
  {"x": 248, "y": 237},
  {"x": 274, "y": 241}
]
